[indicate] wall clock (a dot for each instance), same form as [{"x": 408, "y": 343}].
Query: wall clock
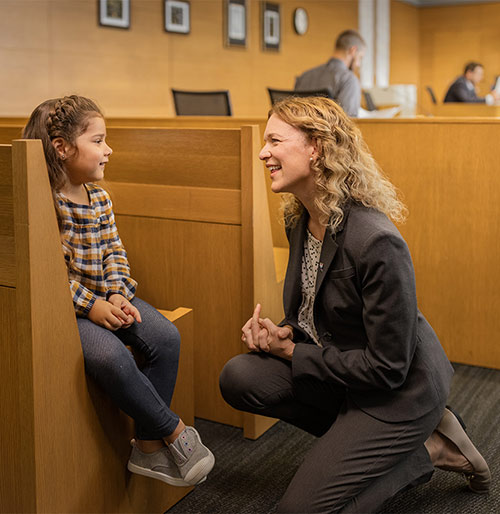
[{"x": 300, "y": 21}]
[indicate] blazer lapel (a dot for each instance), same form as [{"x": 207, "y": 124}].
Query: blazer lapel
[
  {"x": 329, "y": 249},
  {"x": 292, "y": 292}
]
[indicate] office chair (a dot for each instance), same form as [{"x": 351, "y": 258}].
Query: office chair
[
  {"x": 431, "y": 93},
  {"x": 278, "y": 94},
  {"x": 202, "y": 103},
  {"x": 370, "y": 104}
]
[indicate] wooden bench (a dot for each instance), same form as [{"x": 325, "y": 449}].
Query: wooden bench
[
  {"x": 427, "y": 159},
  {"x": 191, "y": 208},
  {"x": 443, "y": 166},
  {"x": 63, "y": 445}
]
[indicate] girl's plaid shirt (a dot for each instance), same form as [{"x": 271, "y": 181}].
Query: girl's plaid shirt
[{"x": 96, "y": 259}]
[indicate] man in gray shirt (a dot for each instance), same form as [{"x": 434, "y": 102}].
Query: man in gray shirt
[{"x": 337, "y": 75}]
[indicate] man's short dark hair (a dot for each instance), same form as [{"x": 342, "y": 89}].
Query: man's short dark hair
[
  {"x": 471, "y": 66},
  {"x": 348, "y": 39}
]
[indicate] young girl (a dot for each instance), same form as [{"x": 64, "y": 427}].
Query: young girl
[{"x": 109, "y": 314}]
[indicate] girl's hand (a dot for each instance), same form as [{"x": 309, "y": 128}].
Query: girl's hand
[
  {"x": 122, "y": 303},
  {"x": 106, "y": 315}
]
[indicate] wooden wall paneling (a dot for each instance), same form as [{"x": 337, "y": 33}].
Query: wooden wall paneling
[
  {"x": 451, "y": 36},
  {"x": 405, "y": 44},
  {"x": 142, "y": 64},
  {"x": 446, "y": 171}
]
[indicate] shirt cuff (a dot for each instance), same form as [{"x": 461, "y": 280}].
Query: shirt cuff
[{"x": 489, "y": 99}]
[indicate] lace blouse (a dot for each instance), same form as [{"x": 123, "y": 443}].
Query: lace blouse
[{"x": 310, "y": 263}]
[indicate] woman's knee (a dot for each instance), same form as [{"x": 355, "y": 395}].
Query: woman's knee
[
  {"x": 232, "y": 379},
  {"x": 255, "y": 381}
]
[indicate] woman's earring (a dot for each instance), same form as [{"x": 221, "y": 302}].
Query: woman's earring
[{"x": 63, "y": 156}]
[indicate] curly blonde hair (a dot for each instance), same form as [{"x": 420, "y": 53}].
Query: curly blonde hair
[{"x": 344, "y": 170}]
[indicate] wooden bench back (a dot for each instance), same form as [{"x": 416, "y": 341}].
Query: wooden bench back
[
  {"x": 61, "y": 449},
  {"x": 443, "y": 167},
  {"x": 197, "y": 199}
]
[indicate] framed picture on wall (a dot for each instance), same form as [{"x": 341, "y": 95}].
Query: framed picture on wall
[
  {"x": 271, "y": 26},
  {"x": 177, "y": 16},
  {"x": 114, "y": 13},
  {"x": 235, "y": 16}
]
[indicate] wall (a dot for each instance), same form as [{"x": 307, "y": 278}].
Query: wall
[
  {"x": 405, "y": 46},
  {"x": 53, "y": 47},
  {"x": 452, "y": 36}
]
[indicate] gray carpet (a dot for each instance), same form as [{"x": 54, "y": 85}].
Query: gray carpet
[{"x": 251, "y": 476}]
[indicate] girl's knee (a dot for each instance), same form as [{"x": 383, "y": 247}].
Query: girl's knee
[{"x": 111, "y": 363}]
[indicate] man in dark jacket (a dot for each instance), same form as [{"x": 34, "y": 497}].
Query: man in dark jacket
[{"x": 464, "y": 87}]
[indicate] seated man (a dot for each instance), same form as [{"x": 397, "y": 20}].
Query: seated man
[
  {"x": 464, "y": 87},
  {"x": 337, "y": 74}
]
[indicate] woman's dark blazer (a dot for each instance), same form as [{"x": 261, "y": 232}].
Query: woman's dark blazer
[{"x": 375, "y": 342}]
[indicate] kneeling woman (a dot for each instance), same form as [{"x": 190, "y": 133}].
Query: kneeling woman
[{"x": 354, "y": 361}]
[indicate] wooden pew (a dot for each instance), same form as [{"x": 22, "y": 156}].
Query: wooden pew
[
  {"x": 63, "y": 445},
  {"x": 191, "y": 208},
  {"x": 452, "y": 163},
  {"x": 447, "y": 170},
  {"x": 421, "y": 156}
]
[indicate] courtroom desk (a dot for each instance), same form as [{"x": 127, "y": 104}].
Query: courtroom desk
[
  {"x": 461, "y": 109},
  {"x": 447, "y": 171}
]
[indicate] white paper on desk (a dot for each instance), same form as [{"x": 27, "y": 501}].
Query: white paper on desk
[
  {"x": 497, "y": 85},
  {"x": 381, "y": 113}
]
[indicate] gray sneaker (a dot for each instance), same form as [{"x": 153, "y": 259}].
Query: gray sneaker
[
  {"x": 193, "y": 458},
  {"x": 159, "y": 465}
]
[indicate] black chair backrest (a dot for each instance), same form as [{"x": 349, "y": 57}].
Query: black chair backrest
[
  {"x": 370, "y": 104},
  {"x": 431, "y": 93},
  {"x": 202, "y": 103},
  {"x": 278, "y": 94}
]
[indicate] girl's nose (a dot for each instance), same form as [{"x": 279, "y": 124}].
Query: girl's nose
[{"x": 109, "y": 151}]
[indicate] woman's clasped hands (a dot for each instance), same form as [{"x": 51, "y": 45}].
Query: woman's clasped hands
[{"x": 262, "y": 335}]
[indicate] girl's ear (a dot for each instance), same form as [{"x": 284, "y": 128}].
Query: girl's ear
[{"x": 61, "y": 146}]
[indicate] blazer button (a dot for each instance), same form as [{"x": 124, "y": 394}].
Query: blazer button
[{"x": 327, "y": 336}]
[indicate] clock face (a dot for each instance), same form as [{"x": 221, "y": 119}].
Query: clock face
[{"x": 300, "y": 21}]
